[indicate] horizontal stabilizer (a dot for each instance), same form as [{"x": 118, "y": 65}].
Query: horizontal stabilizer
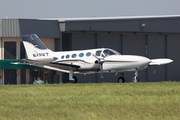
[{"x": 156, "y": 62}]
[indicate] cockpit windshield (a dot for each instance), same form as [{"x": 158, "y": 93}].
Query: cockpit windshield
[
  {"x": 117, "y": 52},
  {"x": 108, "y": 52}
]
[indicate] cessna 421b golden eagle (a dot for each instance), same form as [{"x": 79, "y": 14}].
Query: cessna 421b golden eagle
[{"x": 85, "y": 61}]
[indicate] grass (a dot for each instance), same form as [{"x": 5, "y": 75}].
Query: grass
[{"x": 103, "y": 101}]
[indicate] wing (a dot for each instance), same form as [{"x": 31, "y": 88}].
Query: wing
[
  {"x": 51, "y": 65},
  {"x": 156, "y": 62}
]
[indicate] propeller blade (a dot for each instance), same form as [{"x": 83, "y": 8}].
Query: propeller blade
[
  {"x": 101, "y": 68},
  {"x": 100, "y": 61}
]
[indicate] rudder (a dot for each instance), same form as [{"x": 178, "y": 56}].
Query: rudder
[{"x": 33, "y": 45}]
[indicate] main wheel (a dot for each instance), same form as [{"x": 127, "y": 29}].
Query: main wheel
[
  {"x": 75, "y": 80},
  {"x": 121, "y": 80},
  {"x": 135, "y": 79}
]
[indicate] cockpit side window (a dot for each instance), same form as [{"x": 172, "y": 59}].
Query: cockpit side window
[
  {"x": 108, "y": 52},
  {"x": 116, "y": 52},
  {"x": 98, "y": 53}
]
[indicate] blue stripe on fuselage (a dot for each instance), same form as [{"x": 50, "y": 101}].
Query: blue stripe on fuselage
[{"x": 73, "y": 61}]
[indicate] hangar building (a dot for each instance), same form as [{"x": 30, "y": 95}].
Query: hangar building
[{"x": 150, "y": 36}]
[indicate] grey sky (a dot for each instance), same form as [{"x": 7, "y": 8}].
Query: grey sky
[{"x": 86, "y": 8}]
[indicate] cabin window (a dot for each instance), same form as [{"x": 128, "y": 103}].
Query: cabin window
[
  {"x": 81, "y": 54},
  {"x": 98, "y": 53},
  {"x": 62, "y": 57},
  {"x": 88, "y": 54},
  {"x": 73, "y": 55},
  {"x": 67, "y": 56}
]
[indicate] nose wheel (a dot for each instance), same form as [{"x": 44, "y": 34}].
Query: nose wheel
[{"x": 135, "y": 79}]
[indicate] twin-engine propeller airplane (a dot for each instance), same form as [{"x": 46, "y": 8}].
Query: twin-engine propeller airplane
[{"x": 85, "y": 61}]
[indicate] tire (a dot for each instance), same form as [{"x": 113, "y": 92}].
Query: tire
[
  {"x": 75, "y": 80},
  {"x": 135, "y": 80},
  {"x": 121, "y": 80}
]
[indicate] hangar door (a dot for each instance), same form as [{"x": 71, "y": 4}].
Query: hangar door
[
  {"x": 113, "y": 41},
  {"x": 81, "y": 41},
  {"x": 173, "y": 43},
  {"x": 157, "y": 49},
  {"x": 135, "y": 44}
]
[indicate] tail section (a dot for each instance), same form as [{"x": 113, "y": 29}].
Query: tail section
[{"x": 35, "y": 48}]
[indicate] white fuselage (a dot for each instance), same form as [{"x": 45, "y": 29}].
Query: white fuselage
[{"x": 89, "y": 63}]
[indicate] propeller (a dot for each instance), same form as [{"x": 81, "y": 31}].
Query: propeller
[{"x": 100, "y": 61}]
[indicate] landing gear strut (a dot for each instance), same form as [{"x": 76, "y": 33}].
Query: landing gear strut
[
  {"x": 136, "y": 79},
  {"x": 72, "y": 78}
]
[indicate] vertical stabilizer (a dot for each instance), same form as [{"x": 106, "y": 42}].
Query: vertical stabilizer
[{"x": 34, "y": 47}]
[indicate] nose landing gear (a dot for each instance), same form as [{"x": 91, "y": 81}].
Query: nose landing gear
[{"x": 136, "y": 79}]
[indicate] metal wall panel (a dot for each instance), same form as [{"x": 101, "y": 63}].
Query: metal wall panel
[
  {"x": 18, "y": 27},
  {"x": 157, "y": 49},
  {"x": 134, "y": 44},
  {"x": 166, "y": 24},
  {"x": 43, "y": 28},
  {"x": 173, "y": 48},
  {"x": 9, "y": 28}
]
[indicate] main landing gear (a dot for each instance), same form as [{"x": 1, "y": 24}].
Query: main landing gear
[
  {"x": 135, "y": 79},
  {"x": 72, "y": 79},
  {"x": 121, "y": 78}
]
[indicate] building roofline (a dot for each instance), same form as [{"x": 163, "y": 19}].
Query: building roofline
[
  {"x": 98, "y": 18},
  {"x": 112, "y": 18}
]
